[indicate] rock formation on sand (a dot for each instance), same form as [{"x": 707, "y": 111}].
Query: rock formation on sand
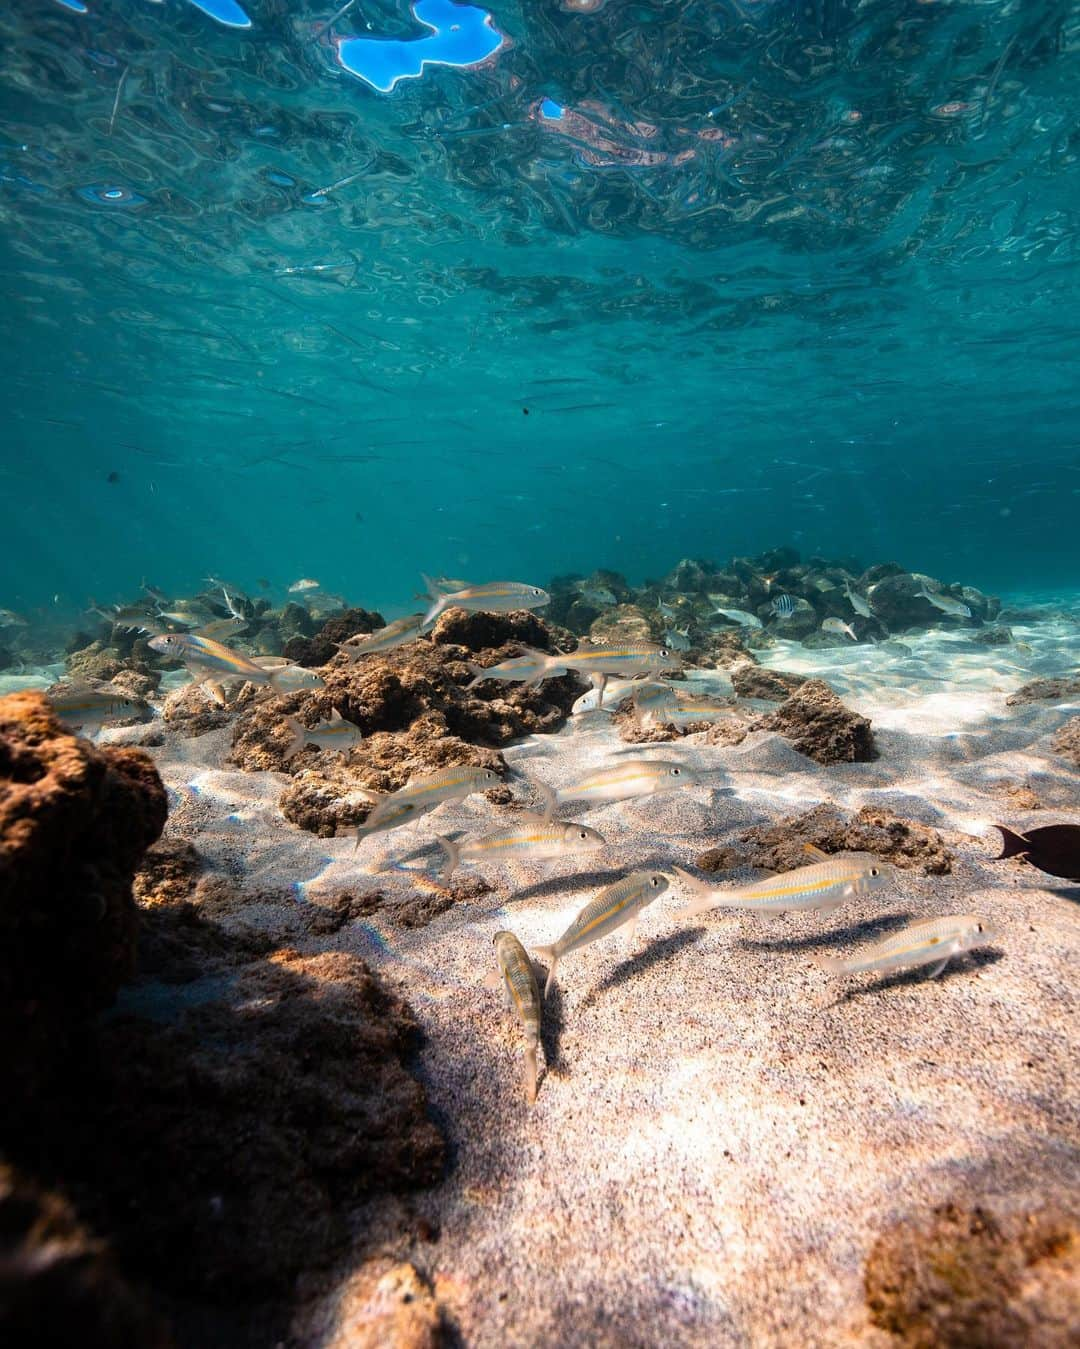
[
  {"x": 782, "y": 846},
  {"x": 819, "y": 725},
  {"x": 1067, "y": 740},
  {"x": 1066, "y": 688}
]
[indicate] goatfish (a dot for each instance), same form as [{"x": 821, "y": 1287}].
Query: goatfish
[
  {"x": 527, "y": 841},
  {"x": 288, "y": 677},
  {"x": 399, "y": 632},
  {"x": 530, "y": 668},
  {"x": 931, "y": 941},
  {"x": 335, "y": 734},
  {"x": 85, "y": 704},
  {"x": 615, "y": 905},
  {"x": 590, "y": 702},
  {"x": 635, "y": 658},
  {"x": 497, "y": 597},
  {"x": 686, "y": 711},
  {"x": 742, "y": 617},
  {"x": 221, "y": 627},
  {"x": 955, "y": 608},
  {"x": 519, "y": 978},
  {"x": 838, "y": 626},
  {"x": 209, "y": 662},
  {"x": 419, "y": 795},
  {"x": 653, "y": 701},
  {"x": 861, "y": 607},
  {"x": 822, "y": 886},
  {"x": 621, "y": 782}
]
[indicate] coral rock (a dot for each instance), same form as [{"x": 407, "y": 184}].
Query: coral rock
[
  {"x": 624, "y": 623},
  {"x": 1067, "y": 740},
  {"x": 960, "y": 1277},
  {"x": 993, "y": 637},
  {"x": 1063, "y": 690},
  {"x": 382, "y": 1306},
  {"x": 318, "y": 650},
  {"x": 909, "y": 846},
  {"x": 755, "y": 681},
  {"x": 483, "y": 631},
  {"x": 819, "y": 725}
]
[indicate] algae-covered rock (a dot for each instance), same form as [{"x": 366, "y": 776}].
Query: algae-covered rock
[
  {"x": 1067, "y": 740},
  {"x": 322, "y": 647},
  {"x": 624, "y": 624},
  {"x": 1064, "y": 689},
  {"x": 756, "y": 681},
  {"x": 819, "y": 725},
  {"x": 904, "y": 843}
]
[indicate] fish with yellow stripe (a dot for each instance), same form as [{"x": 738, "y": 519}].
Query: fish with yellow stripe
[
  {"x": 210, "y": 662},
  {"x": 629, "y": 659},
  {"x": 496, "y": 597},
  {"x": 397, "y": 633},
  {"x": 822, "y": 886},
  {"x": 621, "y": 781},
  {"x": 615, "y": 905},
  {"x": 528, "y": 841},
  {"x": 930, "y": 941},
  {"x": 516, "y": 972},
  {"x": 421, "y": 795},
  {"x": 80, "y": 703}
]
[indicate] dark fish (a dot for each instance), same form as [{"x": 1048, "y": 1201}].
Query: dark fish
[
  {"x": 783, "y": 606},
  {"x": 1055, "y": 848},
  {"x": 113, "y": 476}
]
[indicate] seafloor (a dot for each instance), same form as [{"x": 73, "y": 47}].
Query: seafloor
[{"x": 723, "y": 1139}]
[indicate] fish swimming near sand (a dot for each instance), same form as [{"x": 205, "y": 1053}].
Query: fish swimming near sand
[
  {"x": 333, "y": 734},
  {"x": 210, "y": 662},
  {"x": 422, "y": 794},
  {"x": 653, "y": 702},
  {"x": 221, "y": 628},
  {"x": 395, "y": 634},
  {"x": 615, "y": 905},
  {"x": 616, "y": 689},
  {"x": 742, "y": 617},
  {"x": 946, "y": 603},
  {"x": 821, "y": 886},
  {"x": 516, "y": 972},
  {"x": 783, "y": 606},
  {"x": 686, "y": 711},
  {"x": 860, "y": 605},
  {"x": 304, "y": 586},
  {"x": 1053, "y": 848},
  {"x": 838, "y": 626},
  {"x": 498, "y": 597},
  {"x": 529, "y": 668},
  {"x": 529, "y": 841},
  {"x": 82, "y": 703},
  {"x": 622, "y": 781},
  {"x": 633, "y": 658},
  {"x": 931, "y": 941}
]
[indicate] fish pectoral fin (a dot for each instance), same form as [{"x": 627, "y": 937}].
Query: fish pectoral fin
[
  {"x": 939, "y": 967},
  {"x": 631, "y": 930},
  {"x": 814, "y": 851}
]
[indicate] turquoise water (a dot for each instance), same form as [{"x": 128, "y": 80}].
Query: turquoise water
[{"x": 649, "y": 280}]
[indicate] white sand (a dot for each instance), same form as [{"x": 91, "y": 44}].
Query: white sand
[{"x": 713, "y": 1151}]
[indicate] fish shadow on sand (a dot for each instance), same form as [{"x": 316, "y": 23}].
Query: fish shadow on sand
[
  {"x": 1063, "y": 891},
  {"x": 962, "y": 964},
  {"x": 656, "y": 953},
  {"x": 582, "y": 880},
  {"x": 551, "y": 1027},
  {"x": 878, "y": 926}
]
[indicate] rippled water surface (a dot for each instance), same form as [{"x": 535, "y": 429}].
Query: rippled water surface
[{"x": 593, "y": 284}]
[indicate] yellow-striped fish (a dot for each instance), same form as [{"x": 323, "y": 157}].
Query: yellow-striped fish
[
  {"x": 399, "y": 632},
  {"x": 615, "y": 905},
  {"x": 622, "y": 781},
  {"x": 633, "y": 658},
  {"x": 689, "y": 710},
  {"x": 653, "y": 702},
  {"x": 422, "y": 794},
  {"x": 931, "y": 941},
  {"x": 84, "y": 704},
  {"x": 530, "y": 840},
  {"x": 497, "y": 597},
  {"x": 335, "y": 734},
  {"x": 822, "y": 886},
  {"x": 519, "y": 979},
  {"x": 529, "y": 668},
  {"x": 210, "y": 662}
]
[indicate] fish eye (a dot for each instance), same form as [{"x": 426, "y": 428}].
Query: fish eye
[
  {"x": 979, "y": 927},
  {"x": 584, "y": 834},
  {"x": 664, "y": 651},
  {"x": 536, "y": 591},
  {"x": 874, "y": 871},
  {"x": 654, "y": 881},
  {"x": 675, "y": 772}
]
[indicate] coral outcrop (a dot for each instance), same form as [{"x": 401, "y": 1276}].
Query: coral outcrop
[
  {"x": 322, "y": 647},
  {"x": 1064, "y": 689},
  {"x": 819, "y": 725},
  {"x": 1067, "y": 740},
  {"x": 755, "y": 681}
]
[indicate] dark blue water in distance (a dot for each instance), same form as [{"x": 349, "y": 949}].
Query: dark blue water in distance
[{"x": 649, "y": 280}]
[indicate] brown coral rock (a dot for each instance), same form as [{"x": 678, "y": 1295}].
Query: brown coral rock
[
  {"x": 961, "y": 1277},
  {"x": 167, "y": 874},
  {"x": 382, "y": 1306},
  {"x": 482, "y": 631},
  {"x": 624, "y": 623},
  {"x": 1046, "y": 690},
  {"x": 909, "y": 846},
  {"x": 1067, "y": 740},
  {"x": 318, "y": 650},
  {"x": 755, "y": 681},
  {"x": 819, "y": 725},
  {"x": 75, "y": 820}
]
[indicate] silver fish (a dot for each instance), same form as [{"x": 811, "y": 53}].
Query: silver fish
[
  {"x": 822, "y": 886},
  {"x": 617, "y": 689},
  {"x": 678, "y": 639},
  {"x": 395, "y": 634},
  {"x": 519, "y": 979},
  {"x": 601, "y": 596},
  {"x": 857, "y": 602},
  {"x": 742, "y": 617},
  {"x": 615, "y": 905},
  {"x": 220, "y": 628},
  {"x": 498, "y": 597},
  {"x": 633, "y": 658},
  {"x": 931, "y": 941},
  {"x": 666, "y": 611},
  {"x": 686, "y": 711},
  {"x": 530, "y": 668},
  {"x": 424, "y": 793},
  {"x": 955, "y": 608},
  {"x": 209, "y": 662},
  {"x": 783, "y": 606},
  {"x": 334, "y": 734},
  {"x": 838, "y": 626},
  {"x": 653, "y": 702},
  {"x": 622, "y": 781},
  {"x": 84, "y": 704},
  {"x": 304, "y": 586},
  {"x": 530, "y": 840}
]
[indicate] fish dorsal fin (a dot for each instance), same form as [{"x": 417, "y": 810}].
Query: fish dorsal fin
[
  {"x": 812, "y": 850},
  {"x": 335, "y": 717}
]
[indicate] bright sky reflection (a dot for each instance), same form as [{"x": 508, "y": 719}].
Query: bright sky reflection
[{"x": 462, "y": 35}]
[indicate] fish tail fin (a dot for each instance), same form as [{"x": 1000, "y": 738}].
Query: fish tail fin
[
  {"x": 699, "y": 891},
  {"x": 437, "y": 597},
  {"x": 478, "y": 672},
  {"x": 530, "y": 1074},
  {"x": 296, "y": 737},
  {"x": 830, "y": 964},
  {"x": 453, "y": 857},
  {"x": 547, "y": 956},
  {"x": 1014, "y": 844}
]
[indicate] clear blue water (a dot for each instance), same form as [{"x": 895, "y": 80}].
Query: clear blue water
[{"x": 652, "y": 280}]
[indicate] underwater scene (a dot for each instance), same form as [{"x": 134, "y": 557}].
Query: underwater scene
[{"x": 540, "y": 674}]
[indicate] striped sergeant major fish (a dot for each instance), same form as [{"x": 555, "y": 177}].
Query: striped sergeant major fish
[
  {"x": 518, "y": 977},
  {"x": 423, "y": 794},
  {"x": 821, "y": 886},
  {"x": 498, "y": 597},
  {"x": 783, "y": 606},
  {"x": 615, "y": 905},
  {"x": 621, "y": 781},
  {"x": 931, "y": 941},
  {"x": 399, "y": 632},
  {"x": 533, "y": 839}
]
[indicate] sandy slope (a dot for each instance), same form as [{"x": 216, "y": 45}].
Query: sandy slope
[{"x": 718, "y": 1138}]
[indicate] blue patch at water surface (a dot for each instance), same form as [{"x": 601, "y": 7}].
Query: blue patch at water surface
[
  {"x": 227, "y": 12},
  {"x": 110, "y": 194},
  {"x": 462, "y": 36}
]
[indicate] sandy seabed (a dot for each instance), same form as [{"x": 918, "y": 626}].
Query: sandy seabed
[{"x": 720, "y": 1133}]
